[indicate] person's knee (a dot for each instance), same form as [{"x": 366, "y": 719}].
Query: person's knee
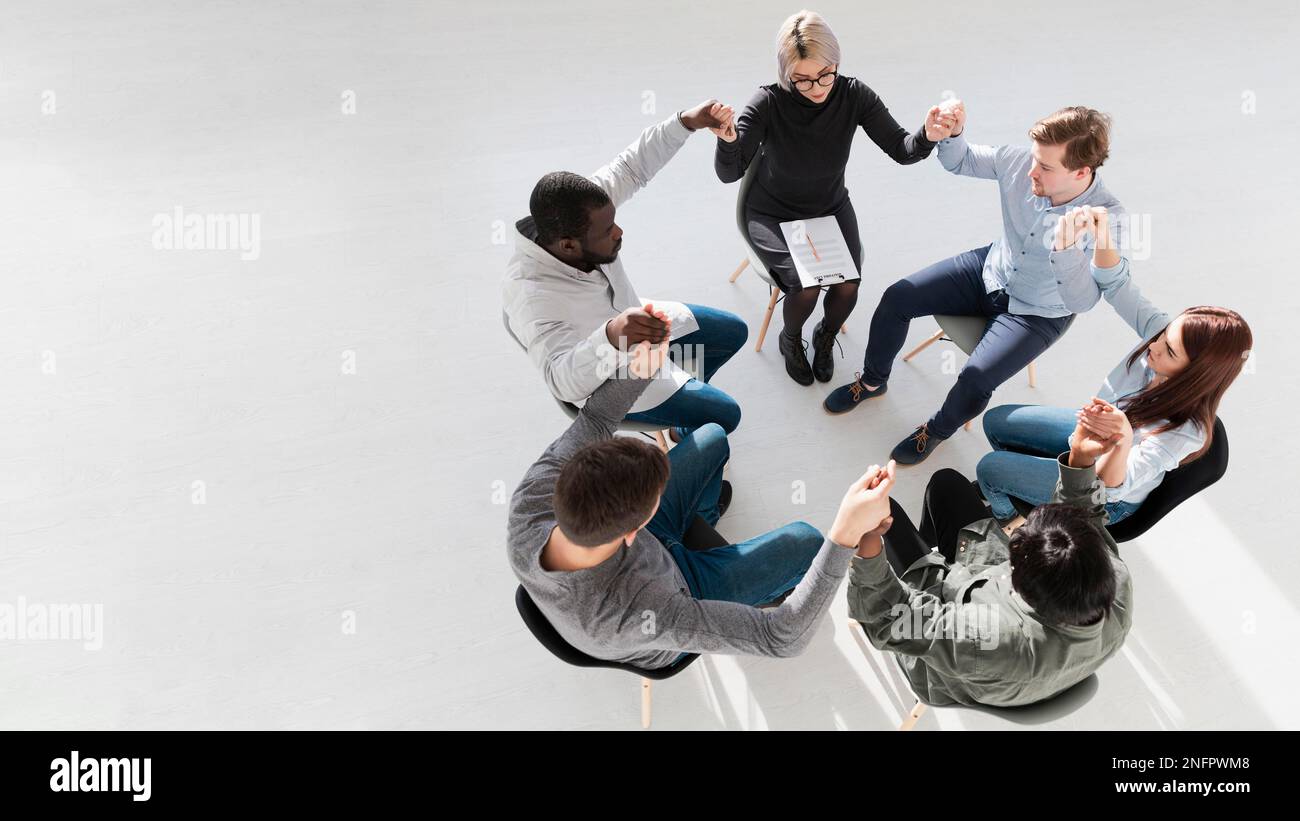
[
  {"x": 732, "y": 331},
  {"x": 945, "y": 480},
  {"x": 804, "y": 535},
  {"x": 728, "y": 414},
  {"x": 711, "y": 439},
  {"x": 995, "y": 422},
  {"x": 896, "y": 295},
  {"x": 987, "y": 467},
  {"x": 977, "y": 380}
]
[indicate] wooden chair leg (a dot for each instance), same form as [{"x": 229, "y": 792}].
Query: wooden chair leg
[
  {"x": 743, "y": 265},
  {"x": 645, "y": 703},
  {"x": 767, "y": 319},
  {"x": 910, "y": 721},
  {"x": 1033, "y": 376},
  {"x": 935, "y": 337},
  {"x": 663, "y": 441},
  {"x": 968, "y": 424}
]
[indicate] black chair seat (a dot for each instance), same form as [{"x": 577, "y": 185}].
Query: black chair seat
[{"x": 700, "y": 536}]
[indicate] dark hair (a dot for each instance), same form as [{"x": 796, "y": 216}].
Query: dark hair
[
  {"x": 1061, "y": 565},
  {"x": 1085, "y": 133},
  {"x": 609, "y": 488},
  {"x": 561, "y": 204},
  {"x": 1217, "y": 342}
]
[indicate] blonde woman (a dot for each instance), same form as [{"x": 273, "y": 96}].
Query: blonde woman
[{"x": 804, "y": 125}]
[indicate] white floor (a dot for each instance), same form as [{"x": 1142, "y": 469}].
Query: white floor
[{"x": 357, "y": 418}]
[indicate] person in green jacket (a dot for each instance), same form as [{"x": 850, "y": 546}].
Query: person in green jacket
[{"x": 997, "y": 616}]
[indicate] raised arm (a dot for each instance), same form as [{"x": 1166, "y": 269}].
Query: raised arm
[
  {"x": 631, "y": 170},
  {"x": 737, "y": 147},
  {"x": 960, "y": 157},
  {"x": 639, "y": 162},
  {"x": 902, "y": 146},
  {"x": 1117, "y": 285}
]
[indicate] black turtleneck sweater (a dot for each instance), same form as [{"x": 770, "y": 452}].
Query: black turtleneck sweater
[{"x": 806, "y": 146}]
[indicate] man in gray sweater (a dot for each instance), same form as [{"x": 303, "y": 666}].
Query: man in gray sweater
[{"x": 595, "y": 537}]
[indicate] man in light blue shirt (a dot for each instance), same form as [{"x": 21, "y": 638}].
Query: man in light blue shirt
[{"x": 1029, "y": 283}]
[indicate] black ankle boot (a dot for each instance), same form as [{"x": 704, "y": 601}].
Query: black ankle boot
[
  {"x": 796, "y": 359},
  {"x": 823, "y": 343}
]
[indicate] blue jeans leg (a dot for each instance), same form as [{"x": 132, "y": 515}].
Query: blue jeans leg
[
  {"x": 1003, "y": 474},
  {"x": 1119, "y": 511},
  {"x": 753, "y": 572},
  {"x": 1032, "y": 429},
  {"x": 694, "y": 482},
  {"x": 720, "y": 335},
  {"x": 702, "y": 353},
  {"x": 694, "y": 404},
  {"x": 1026, "y": 440}
]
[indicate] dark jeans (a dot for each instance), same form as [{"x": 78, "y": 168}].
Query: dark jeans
[
  {"x": 956, "y": 286},
  {"x": 950, "y": 504}
]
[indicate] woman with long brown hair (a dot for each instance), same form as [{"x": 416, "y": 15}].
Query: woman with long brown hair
[{"x": 1159, "y": 404}]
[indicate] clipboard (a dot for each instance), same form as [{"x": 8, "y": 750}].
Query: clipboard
[{"x": 821, "y": 255}]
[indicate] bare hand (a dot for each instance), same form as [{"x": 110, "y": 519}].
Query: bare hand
[
  {"x": 956, "y": 111},
  {"x": 727, "y": 131},
  {"x": 1078, "y": 222},
  {"x": 1103, "y": 419},
  {"x": 1086, "y": 447},
  {"x": 646, "y": 359},
  {"x": 939, "y": 124},
  {"x": 637, "y": 325},
  {"x": 864, "y": 507},
  {"x": 708, "y": 114}
]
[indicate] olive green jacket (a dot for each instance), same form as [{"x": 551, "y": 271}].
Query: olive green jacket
[{"x": 963, "y": 635}]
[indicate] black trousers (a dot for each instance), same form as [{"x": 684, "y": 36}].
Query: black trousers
[{"x": 950, "y": 504}]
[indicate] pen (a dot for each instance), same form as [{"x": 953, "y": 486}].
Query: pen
[{"x": 808, "y": 237}]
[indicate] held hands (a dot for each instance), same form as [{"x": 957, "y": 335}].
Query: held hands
[
  {"x": 646, "y": 359},
  {"x": 865, "y": 507},
  {"x": 647, "y": 356},
  {"x": 637, "y": 325},
  {"x": 944, "y": 121},
  {"x": 713, "y": 115},
  {"x": 1104, "y": 420},
  {"x": 1091, "y": 439},
  {"x": 1079, "y": 221}
]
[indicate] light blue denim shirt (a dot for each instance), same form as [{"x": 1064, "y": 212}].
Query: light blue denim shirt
[{"x": 1038, "y": 280}]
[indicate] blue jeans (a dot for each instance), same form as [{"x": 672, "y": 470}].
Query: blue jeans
[
  {"x": 697, "y": 403},
  {"x": 752, "y": 572},
  {"x": 1026, "y": 440},
  {"x": 956, "y": 286}
]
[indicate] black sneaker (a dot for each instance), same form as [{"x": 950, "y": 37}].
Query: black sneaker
[
  {"x": 916, "y": 448},
  {"x": 847, "y": 397},
  {"x": 795, "y": 351},
  {"x": 823, "y": 343},
  {"x": 724, "y": 498}
]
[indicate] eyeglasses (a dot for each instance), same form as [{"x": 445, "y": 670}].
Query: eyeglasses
[{"x": 823, "y": 81}]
